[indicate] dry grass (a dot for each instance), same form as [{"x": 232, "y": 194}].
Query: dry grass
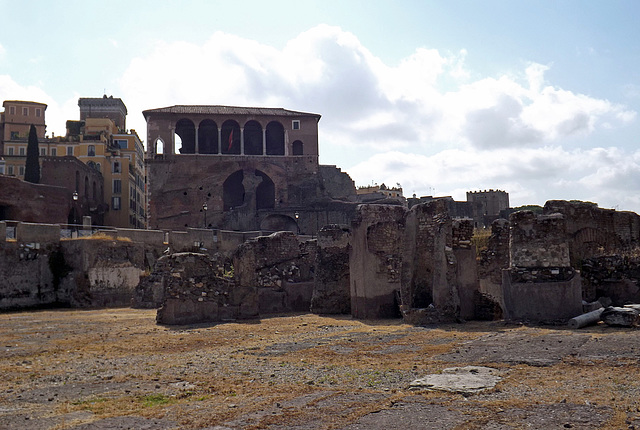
[
  {"x": 118, "y": 362},
  {"x": 100, "y": 236}
]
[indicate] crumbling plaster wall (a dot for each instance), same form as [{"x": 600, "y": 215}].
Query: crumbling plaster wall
[{"x": 375, "y": 260}]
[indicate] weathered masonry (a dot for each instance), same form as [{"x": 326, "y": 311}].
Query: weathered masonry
[{"x": 243, "y": 169}]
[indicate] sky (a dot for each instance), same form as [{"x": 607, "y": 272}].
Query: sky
[{"x": 539, "y": 98}]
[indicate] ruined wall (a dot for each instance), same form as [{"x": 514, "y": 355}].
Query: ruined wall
[
  {"x": 439, "y": 273},
  {"x": 493, "y": 260},
  {"x": 375, "y": 260},
  {"x": 336, "y": 183},
  {"x": 466, "y": 275},
  {"x": 281, "y": 267},
  {"x": 540, "y": 284},
  {"x": 331, "y": 292},
  {"x": 191, "y": 289},
  {"x": 538, "y": 240},
  {"x": 614, "y": 276},
  {"x": 102, "y": 272},
  {"x": 595, "y": 231}
]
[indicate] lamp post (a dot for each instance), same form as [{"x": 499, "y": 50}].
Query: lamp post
[
  {"x": 297, "y": 216},
  {"x": 204, "y": 209},
  {"x": 75, "y": 210}
]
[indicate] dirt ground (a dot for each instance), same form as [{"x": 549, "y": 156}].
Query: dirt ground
[{"x": 117, "y": 369}]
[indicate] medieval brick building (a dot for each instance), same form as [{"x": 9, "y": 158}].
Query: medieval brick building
[{"x": 241, "y": 168}]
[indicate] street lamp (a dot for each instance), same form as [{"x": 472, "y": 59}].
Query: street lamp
[
  {"x": 75, "y": 210},
  {"x": 297, "y": 216},
  {"x": 204, "y": 209}
]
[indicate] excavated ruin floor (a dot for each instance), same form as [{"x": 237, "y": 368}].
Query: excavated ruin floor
[{"x": 117, "y": 369}]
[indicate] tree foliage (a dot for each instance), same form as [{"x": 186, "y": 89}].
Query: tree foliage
[{"x": 32, "y": 167}]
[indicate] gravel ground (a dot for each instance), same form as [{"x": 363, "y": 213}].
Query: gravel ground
[{"x": 117, "y": 369}]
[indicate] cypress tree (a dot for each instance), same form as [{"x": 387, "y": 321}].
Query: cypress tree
[{"x": 32, "y": 167}]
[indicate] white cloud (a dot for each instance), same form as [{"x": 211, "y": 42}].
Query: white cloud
[
  {"x": 364, "y": 101},
  {"x": 531, "y": 176}
]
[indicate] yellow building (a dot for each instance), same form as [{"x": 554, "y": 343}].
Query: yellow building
[
  {"x": 15, "y": 123},
  {"x": 100, "y": 142},
  {"x": 119, "y": 156}
]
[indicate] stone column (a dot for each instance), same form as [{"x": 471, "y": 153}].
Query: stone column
[
  {"x": 241, "y": 140},
  {"x": 197, "y": 150},
  {"x": 172, "y": 149},
  {"x": 264, "y": 141},
  {"x": 219, "y": 141}
]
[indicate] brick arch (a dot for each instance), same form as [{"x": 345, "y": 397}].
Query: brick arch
[
  {"x": 186, "y": 131},
  {"x": 275, "y": 138},
  {"x": 252, "y": 135},
  {"x": 230, "y": 134},
  {"x": 208, "y": 137}
]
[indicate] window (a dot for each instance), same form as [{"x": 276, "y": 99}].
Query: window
[
  {"x": 117, "y": 186},
  {"x": 10, "y": 170},
  {"x": 21, "y": 170},
  {"x": 116, "y": 167},
  {"x": 25, "y": 111},
  {"x": 69, "y": 150},
  {"x": 12, "y": 110},
  {"x": 38, "y": 112},
  {"x": 43, "y": 151},
  {"x": 98, "y": 167},
  {"x": 295, "y": 124},
  {"x": 10, "y": 151},
  {"x": 54, "y": 152},
  {"x": 120, "y": 143},
  {"x": 91, "y": 151},
  {"x": 22, "y": 151},
  {"x": 15, "y": 135},
  {"x": 115, "y": 203}
]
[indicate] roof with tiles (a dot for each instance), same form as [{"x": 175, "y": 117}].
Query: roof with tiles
[{"x": 226, "y": 110}]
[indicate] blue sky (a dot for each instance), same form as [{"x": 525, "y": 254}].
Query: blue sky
[{"x": 539, "y": 98}]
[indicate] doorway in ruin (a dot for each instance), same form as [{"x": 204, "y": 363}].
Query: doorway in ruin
[
  {"x": 265, "y": 192},
  {"x": 233, "y": 191},
  {"x": 279, "y": 222},
  {"x": 186, "y": 131}
]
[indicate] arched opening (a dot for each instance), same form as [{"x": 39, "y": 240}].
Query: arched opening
[
  {"x": 158, "y": 146},
  {"x": 86, "y": 187},
  {"x": 265, "y": 192},
  {"x": 94, "y": 191},
  {"x": 297, "y": 147},
  {"x": 186, "y": 131},
  {"x": 253, "y": 138},
  {"x": 208, "y": 137},
  {"x": 275, "y": 138},
  {"x": 230, "y": 137},
  {"x": 279, "y": 223},
  {"x": 233, "y": 191},
  {"x": 77, "y": 182}
]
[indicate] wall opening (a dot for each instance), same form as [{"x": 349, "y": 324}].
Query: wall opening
[
  {"x": 230, "y": 137},
  {"x": 279, "y": 223},
  {"x": 297, "y": 147},
  {"x": 233, "y": 191},
  {"x": 208, "y": 137},
  {"x": 186, "y": 131},
  {"x": 275, "y": 138},
  {"x": 265, "y": 192},
  {"x": 253, "y": 138}
]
